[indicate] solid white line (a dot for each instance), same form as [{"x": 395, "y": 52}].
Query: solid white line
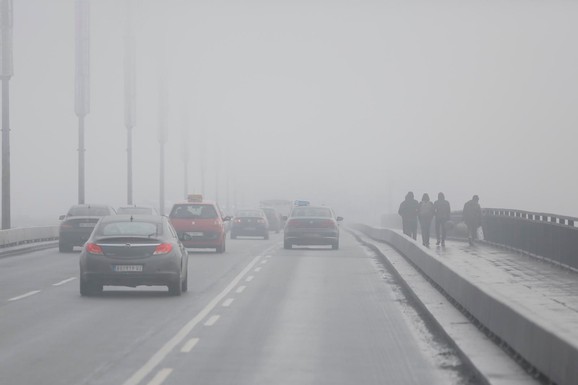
[
  {"x": 264, "y": 262},
  {"x": 24, "y": 295},
  {"x": 228, "y": 302},
  {"x": 63, "y": 282},
  {"x": 161, "y": 376},
  {"x": 160, "y": 355},
  {"x": 190, "y": 345},
  {"x": 249, "y": 278},
  {"x": 213, "y": 320},
  {"x": 258, "y": 269},
  {"x": 241, "y": 289}
]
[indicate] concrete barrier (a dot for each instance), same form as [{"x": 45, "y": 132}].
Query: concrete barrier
[
  {"x": 535, "y": 339},
  {"x": 20, "y": 236}
]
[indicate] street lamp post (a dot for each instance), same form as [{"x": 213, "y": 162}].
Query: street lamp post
[
  {"x": 130, "y": 95},
  {"x": 6, "y": 73},
  {"x": 82, "y": 97}
]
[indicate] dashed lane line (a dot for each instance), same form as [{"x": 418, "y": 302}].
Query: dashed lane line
[
  {"x": 213, "y": 320},
  {"x": 249, "y": 278},
  {"x": 228, "y": 302},
  {"x": 30, "y": 293},
  {"x": 241, "y": 289},
  {"x": 64, "y": 281},
  {"x": 160, "y": 355},
  {"x": 189, "y": 345},
  {"x": 161, "y": 376}
]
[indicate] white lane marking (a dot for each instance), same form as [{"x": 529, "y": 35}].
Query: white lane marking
[
  {"x": 258, "y": 269},
  {"x": 240, "y": 289},
  {"x": 228, "y": 302},
  {"x": 249, "y": 278},
  {"x": 213, "y": 320},
  {"x": 264, "y": 262},
  {"x": 63, "y": 282},
  {"x": 160, "y": 355},
  {"x": 190, "y": 345},
  {"x": 30, "y": 293},
  {"x": 161, "y": 376}
]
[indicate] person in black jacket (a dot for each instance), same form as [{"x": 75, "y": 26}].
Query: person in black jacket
[
  {"x": 425, "y": 214},
  {"x": 472, "y": 217},
  {"x": 442, "y": 214},
  {"x": 408, "y": 211}
]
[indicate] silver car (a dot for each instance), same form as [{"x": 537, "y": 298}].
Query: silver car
[{"x": 311, "y": 225}]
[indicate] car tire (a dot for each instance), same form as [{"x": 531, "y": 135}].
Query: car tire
[
  {"x": 335, "y": 245},
  {"x": 185, "y": 284},
  {"x": 221, "y": 248},
  {"x": 88, "y": 288},
  {"x": 65, "y": 248},
  {"x": 175, "y": 288},
  {"x": 287, "y": 245}
]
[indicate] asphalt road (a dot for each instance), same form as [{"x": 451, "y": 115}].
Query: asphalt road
[{"x": 257, "y": 314}]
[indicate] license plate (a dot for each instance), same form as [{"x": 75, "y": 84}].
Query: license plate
[
  {"x": 195, "y": 234},
  {"x": 86, "y": 224},
  {"x": 124, "y": 268}
]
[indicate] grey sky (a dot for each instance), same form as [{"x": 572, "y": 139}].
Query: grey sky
[{"x": 344, "y": 103}]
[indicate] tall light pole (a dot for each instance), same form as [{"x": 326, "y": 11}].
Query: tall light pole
[
  {"x": 82, "y": 99},
  {"x": 163, "y": 110},
  {"x": 186, "y": 156},
  {"x": 129, "y": 95},
  {"x": 6, "y": 73}
]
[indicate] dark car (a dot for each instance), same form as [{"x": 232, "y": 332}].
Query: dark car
[
  {"x": 274, "y": 218},
  {"x": 310, "y": 225},
  {"x": 133, "y": 250},
  {"x": 78, "y": 223},
  {"x": 251, "y": 223},
  {"x": 199, "y": 225},
  {"x": 137, "y": 210}
]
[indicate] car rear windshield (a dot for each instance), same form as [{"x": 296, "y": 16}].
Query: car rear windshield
[
  {"x": 130, "y": 228},
  {"x": 198, "y": 211},
  {"x": 88, "y": 212},
  {"x": 250, "y": 213},
  {"x": 322, "y": 212},
  {"x": 135, "y": 210}
]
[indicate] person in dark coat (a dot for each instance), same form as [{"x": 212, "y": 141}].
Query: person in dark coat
[
  {"x": 425, "y": 215},
  {"x": 408, "y": 211},
  {"x": 442, "y": 214},
  {"x": 472, "y": 217}
]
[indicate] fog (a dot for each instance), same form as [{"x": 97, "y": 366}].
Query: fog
[{"x": 344, "y": 103}]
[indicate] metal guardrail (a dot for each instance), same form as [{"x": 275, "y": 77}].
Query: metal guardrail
[
  {"x": 20, "y": 236},
  {"x": 547, "y": 235}
]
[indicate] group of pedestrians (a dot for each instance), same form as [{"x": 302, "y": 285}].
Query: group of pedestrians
[{"x": 424, "y": 212}]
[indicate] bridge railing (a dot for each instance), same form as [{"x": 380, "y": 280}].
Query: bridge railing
[
  {"x": 547, "y": 235},
  {"x": 27, "y": 235}
]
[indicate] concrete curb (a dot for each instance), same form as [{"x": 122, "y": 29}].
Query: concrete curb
[
  {"x": 26, "y": 248},
  {"x": 546, "y": 350}
]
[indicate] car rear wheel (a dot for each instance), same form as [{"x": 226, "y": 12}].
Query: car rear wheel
[
  {"x": 335, "y": 245},
  {"x": 175, "y": 288},
  {"x": 287, "y": 245},
  {"x": 88, "y": 288},
  {"x": 185, "y": 284},
  {"x": 64, "y": 247},
  {"x": 221, "y": 248}
]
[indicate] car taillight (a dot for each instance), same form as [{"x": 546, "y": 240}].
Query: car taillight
[
  {"x": 65, "y": 225},
  {"x": 291, "y": 223},
  {"x": 93, "y": 248},
  {"x": 260, "y": 221},
  {"x": 327, "y": 223},
  {"x": 163, "y": 248},
  {"x": 237, "y": 220}
]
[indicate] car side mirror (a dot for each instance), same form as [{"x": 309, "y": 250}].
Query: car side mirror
[
  {"x": 227, "y": 218},
  {"x": 339, "y": 219},
  {"x": 62, "y": 217}
]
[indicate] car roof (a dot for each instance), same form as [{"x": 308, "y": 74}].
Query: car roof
[{"x": 137, "y": 217}]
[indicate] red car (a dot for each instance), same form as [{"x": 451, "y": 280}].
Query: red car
[{"x": 199, "y": 225}]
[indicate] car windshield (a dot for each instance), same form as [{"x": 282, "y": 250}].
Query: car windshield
[
  {"x": 250, "y": 213},
  {"x": 130, "y": 228},
  {"x": 87, "y": 211},
  {"x": 322, "y": 212},
  {"x": 194, "y": 211}
]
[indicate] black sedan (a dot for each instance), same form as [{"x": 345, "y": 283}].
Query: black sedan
[
  {"x": 133, "y": 250},
  {"x": 251, "y": 223},
  {"x": 78, "y": 223}
]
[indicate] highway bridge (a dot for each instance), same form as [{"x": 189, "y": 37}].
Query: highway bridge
[{"x": 381, "y": 310}]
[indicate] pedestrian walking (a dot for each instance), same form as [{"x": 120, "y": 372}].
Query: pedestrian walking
[
  {"x": 425, "y": 214},
  {"x": 408, "y": 211},
  {"x": 442, "y": 213},
  {"x": 472, "y": 217}
]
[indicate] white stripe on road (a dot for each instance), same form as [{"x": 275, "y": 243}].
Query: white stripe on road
[
  {"x": 249, "y": 278},
  {"x": 228, "y": 302},
  {"x": 161, "y": 376},
  {"x": 190, "y": 345},
  {"x": 241, "y": 289},
  {"x": 160, "y": 355},
  {"x": 24, "y": 295},
  {"x": 211, "y": 321},
  {"x": 258, "y": 269},
  {"x": 63, "y": 282},
  {"x": 264, "y": 262}
]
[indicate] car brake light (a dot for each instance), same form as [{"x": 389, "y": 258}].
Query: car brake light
[
  {"x": 93, "y": 248},
  {"x": 163, "y": 248},
  {"x": 327, "y": 223},
  {"x": 260, "y": 221}
]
